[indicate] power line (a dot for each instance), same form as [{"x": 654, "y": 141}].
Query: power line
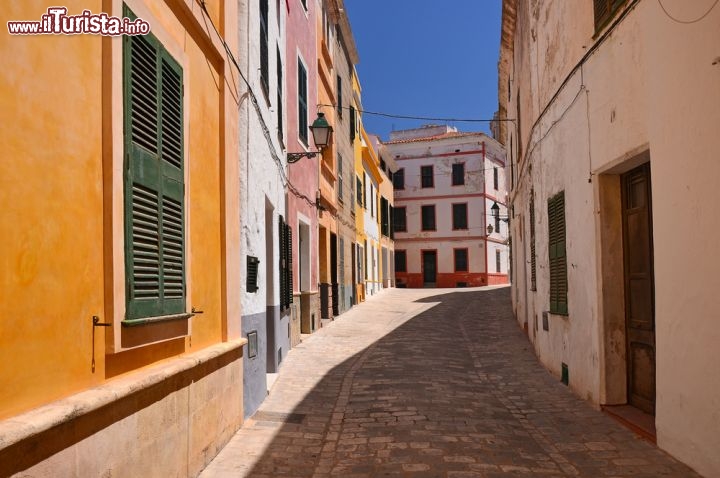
[
  {"x": 423, "y": 118},
  {"x": 687, "y": 22},
  {"x": 266, "y": 131}
]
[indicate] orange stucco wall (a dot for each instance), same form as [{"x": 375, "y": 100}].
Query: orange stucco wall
[
  {"x": 51, "y": 208},
  {"x": 60, "y": 184}
]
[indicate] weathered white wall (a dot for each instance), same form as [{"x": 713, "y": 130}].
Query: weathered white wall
[
  {"x": 262, "y": 199},
  {"x": 652, "y": 86},
  {"x": 683, "y": 100}
]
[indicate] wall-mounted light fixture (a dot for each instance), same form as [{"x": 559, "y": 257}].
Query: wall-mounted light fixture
[{"x": 322, "y": 132}]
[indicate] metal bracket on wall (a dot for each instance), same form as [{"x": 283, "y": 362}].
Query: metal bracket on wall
[{"x": 96, "y": 323}]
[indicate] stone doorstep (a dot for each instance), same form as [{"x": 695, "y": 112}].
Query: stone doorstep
[
  {"x": 639, "y": 422},
  {"x": 38, "y": 420}
]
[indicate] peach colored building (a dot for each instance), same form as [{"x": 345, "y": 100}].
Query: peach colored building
[
  {"x": 614, "y": 157},
  {"x": 120, "y": 344},
  {"x": 446, "y": 185}
]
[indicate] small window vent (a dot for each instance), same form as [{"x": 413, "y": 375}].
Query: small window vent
[
  {"x": 252, "y": 273},
  {"x": 461, "y": 284}
]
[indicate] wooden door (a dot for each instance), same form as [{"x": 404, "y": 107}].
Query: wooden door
[
  {"x": 429, "y": 267},
  {"x": 639, "y": 287}
]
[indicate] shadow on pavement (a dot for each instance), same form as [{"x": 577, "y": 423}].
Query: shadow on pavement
[{"x": 454, "y": 391}]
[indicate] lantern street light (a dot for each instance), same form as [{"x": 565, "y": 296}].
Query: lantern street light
[{"x": 322, "y": 132}]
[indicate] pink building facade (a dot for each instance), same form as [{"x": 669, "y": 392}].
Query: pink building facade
[
  {"x": 301, "y": 110},
  {"x": 450, "y": 217}
]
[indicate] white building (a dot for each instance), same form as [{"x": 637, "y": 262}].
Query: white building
[
  {"x": 264, "y": 232},
  {"x": 446, "y": 232},
  {"x": 614, "y": 190}
]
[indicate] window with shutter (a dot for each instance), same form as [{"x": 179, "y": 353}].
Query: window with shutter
[
  {"x": 279, "y": 95},
  {"x": 557, "y": 255},
  {"x": 391, "y": 219},
  {"x": 426, "y": 177},
  {"x": 428, "y": 218},
  {"x": 460, "y": 216},
  {"x": 302, "y": 103},
  {"x": 399, "y": 179},
  {"x": 400, "y": 261},
  {"x": 340, "y": 179},
  {"x": 264, "y": 60},
  {"x": 353, "y": 120},
  {"x": 339, "y": 96},
  {"x": 154, "y": 179},
  {"x": 341, "y": 259},
  {"x": 604, "y": 11},
  {"x": 400, "y": 214},
  {"x": 384, "y": 217},
  {"x": 282, "y": 262},
  {"x": 458, "y": 174},
  {"x": 365, "y": 193},
  {"x": 359, "y": 190},
  {"x": 288, "y": 264},
  {"x": 533, "y": 261},
  {"x": 285, "y": 266},
  {"x": 461, "y": 259}
]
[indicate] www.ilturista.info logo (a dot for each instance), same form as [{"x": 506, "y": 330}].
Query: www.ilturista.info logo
[{"x": 58, "y": 22}]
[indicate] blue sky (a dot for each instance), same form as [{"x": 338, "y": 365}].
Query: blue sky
[{"x": 426, "y": 58}]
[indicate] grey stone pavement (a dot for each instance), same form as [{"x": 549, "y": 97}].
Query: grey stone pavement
[{"x": 430, "y": 383}]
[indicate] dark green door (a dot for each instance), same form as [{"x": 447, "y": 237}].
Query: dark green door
[{"x": 429, "y": 267}]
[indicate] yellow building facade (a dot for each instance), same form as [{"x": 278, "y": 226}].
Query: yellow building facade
[
  {"x": 117, "y": 226},
  {"x": 359, "y": 200}
]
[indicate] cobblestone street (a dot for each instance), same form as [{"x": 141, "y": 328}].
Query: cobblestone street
[{"x": 436, "y": 383}]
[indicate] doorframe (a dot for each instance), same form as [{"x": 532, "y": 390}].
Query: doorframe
[{"x": 611, "y": 284}]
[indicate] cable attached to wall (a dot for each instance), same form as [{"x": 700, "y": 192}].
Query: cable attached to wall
[{"x": 687, "y": 22}]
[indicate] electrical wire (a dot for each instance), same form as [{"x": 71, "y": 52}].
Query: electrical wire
[
  {"x": 687, "y": 22},
  {"x": 423, "y": 118},
  {"x": 528, "y": 150},
  {"x": 266, "y": 131}
]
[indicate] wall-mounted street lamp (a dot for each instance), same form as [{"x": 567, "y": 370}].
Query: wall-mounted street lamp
[
  {"x": 322, "y": 132},
  {"x": 495, "y": 209}
]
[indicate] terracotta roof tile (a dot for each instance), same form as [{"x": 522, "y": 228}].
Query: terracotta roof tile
[{"x": 433, "y": 138}]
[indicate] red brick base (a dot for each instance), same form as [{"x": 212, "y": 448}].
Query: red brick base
[{"x": 450, "y": 280}]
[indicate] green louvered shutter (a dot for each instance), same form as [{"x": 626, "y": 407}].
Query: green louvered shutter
[
  {"x": 533, "y": 260},
  {"x": 281, "y": 263},
  {"x": 557, "y": 255},
  {"x": 601, "y": 11},
  {"x": 288, "y": 248},
  {"x": 154, "y": 230}
]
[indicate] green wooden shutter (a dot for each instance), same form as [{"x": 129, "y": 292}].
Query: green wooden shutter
[
  {"x": 173, "y": 191},
  {"x": 281, "y": 268},
  {"x": 302, "y": 103},
  {"x": 264, "y": 56},
  {"x": 533, "y": 260},
  {"x": 288, "y": 268},
  {"x": 557, "y": 255},
  {"x": 352, "y": 124},
  {"x": 601, "y": 9},
  {"x": 154, "y": 229}
]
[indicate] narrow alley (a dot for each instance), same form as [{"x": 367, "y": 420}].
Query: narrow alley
[{"x": 419, "y": 382}]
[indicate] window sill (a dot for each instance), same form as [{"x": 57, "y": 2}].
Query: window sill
[{"x": 155, "y": 320}]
